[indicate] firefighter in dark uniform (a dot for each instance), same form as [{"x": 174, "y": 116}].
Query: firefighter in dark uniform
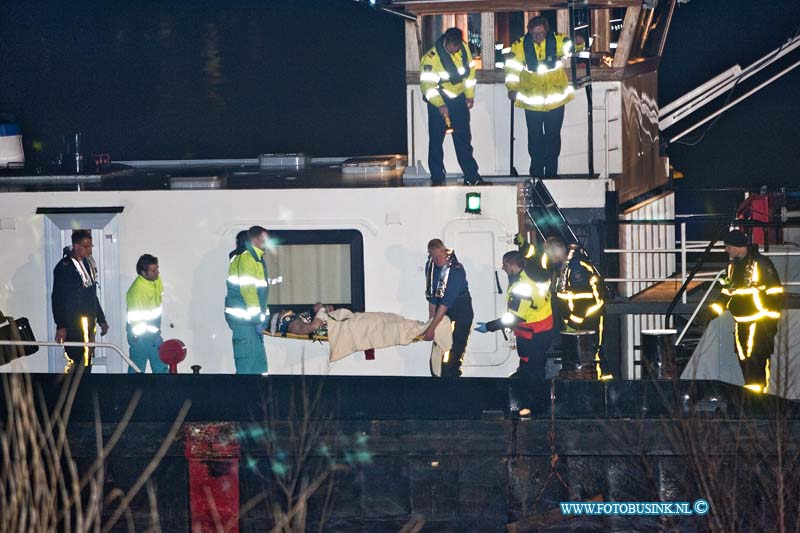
[
  {"x": 751, "y": 291},
  {"x": 579, "y": 296},
  {"x": 529, "y": 315},
  {"x": 76, "y": 309},
  {"x": 538, "y": 264},
  {"x": 447, "y": 292}
]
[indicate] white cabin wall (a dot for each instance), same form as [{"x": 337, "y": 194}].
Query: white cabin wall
[
  {"x": 20, "y": 269},
  {"x": 490, "y": 125},
  {"x": 191, "y": 232}
]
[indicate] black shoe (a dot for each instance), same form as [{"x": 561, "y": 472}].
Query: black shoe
[
  {"x": 438, "y": 183},
  {"x": 475, "y": 182}
]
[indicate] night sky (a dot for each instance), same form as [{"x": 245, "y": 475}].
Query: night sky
[
  {"x": 173, "y": 79},
  {"x": 756, "y": 142}
]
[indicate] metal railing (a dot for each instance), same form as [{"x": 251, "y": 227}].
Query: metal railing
[
  {"x": 699, "y": 306},
  {"x": 108, "y": 345},
  {"x": 607, "y": 121},
  {"x": 684, "y": 248}
]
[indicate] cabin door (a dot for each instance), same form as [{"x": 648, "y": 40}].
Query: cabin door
[
  {"x": 104, "y": 228},
  {"x": 479, "y": 244}
]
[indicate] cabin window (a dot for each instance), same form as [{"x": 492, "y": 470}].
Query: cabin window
[
  {"x": 316, "y": 266},
  {"x": 508, "y": 27},
  {"x": 433, "y": 26}
]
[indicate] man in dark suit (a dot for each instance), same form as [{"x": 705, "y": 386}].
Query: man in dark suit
[{"x": 76, "y": 309}]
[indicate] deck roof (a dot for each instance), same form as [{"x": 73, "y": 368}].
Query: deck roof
[{"x": 426, "y": 7}]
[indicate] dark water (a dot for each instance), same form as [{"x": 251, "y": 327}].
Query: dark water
[{"x": 184, "y": 79}]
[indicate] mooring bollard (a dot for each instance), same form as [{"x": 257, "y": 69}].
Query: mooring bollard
[
  {"x": 577, "y": 355},
  {"x": 658, "y": 354}
]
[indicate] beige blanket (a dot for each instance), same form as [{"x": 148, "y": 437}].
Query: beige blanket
[{"x": 349, "y": 333}]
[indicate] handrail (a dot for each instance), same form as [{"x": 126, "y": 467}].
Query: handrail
[
  {"x": 695, "y": 269},
  {"x": 606, "y": 120},
  {"x": 648, "y": 280},
  {"x": 699, "y": 305},
  {"x": 537, "y": 194},
  {"x": 709, "y": 218},
  {"x": 108, "y": 345},
  {"x": 678, "y": 250}
]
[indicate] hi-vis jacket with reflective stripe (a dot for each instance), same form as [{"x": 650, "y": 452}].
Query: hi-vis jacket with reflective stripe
[
  {"x": 579, "y": 289},
  {"x": 751, "y": 290},
  {"x": 529, "y": 308},
  {"x": 539, "y": 87},
  {"x": 537, "y": 263},
  {"x": 144, "y": 306},
  {"x": 246, "y": 301},
  {"x": 433, "y": 77}
]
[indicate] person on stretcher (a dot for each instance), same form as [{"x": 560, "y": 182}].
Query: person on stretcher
[
  {"x": 346, "y": 332},
  {"x": 288, "y": 321}
]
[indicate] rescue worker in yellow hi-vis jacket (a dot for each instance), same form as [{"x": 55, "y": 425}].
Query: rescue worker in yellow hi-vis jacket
[
  {"x": 246, "y": 308},
  {"x": 447, "y": 82},
  {"x": 576, "y": 286},
  {"x": 537, "y": 82},
  {"x": 144, "y": 316},
  {"x": 751, "y": 291},
  {"x": 529, "y": 314}
]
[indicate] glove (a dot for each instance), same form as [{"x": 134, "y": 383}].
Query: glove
[
  {"x": 519, "y": 239},
  {"x": 482, "y": 327},
  {"x": 260, "y": 328}
]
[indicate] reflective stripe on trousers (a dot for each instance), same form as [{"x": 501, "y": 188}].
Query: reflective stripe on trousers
[{"x": 83, "y": 333}]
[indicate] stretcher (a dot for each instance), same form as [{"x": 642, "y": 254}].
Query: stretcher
[
  {"x": 350, "y": 333},
  {"x": 313, "y": 337}
]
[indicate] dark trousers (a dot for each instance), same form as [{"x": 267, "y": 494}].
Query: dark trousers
[
  {"x": 596, "y": 323},
  {"x": 535, "y": 351},
  {"x": 462, "y": 139},
  {"x": 544, "y": 141},
  {"x": 461, "y": 314},
  {"x": 754, "y": 368}
]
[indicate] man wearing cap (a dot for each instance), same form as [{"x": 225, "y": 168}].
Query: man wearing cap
[
  {"x": 447, "y": 82},
  {"x": 751, "y": 291},
  {"x": 579, "y": 296}
]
